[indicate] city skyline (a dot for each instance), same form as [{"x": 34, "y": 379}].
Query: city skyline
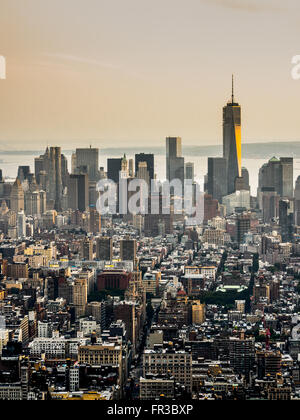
[{"x": 130, "y": 77}]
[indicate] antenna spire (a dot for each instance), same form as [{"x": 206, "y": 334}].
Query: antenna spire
[{"x": 232, "y": 89}]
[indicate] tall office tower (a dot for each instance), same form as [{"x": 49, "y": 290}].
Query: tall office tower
[
  {"x": 243, "y": 223},
  {"x": 242, "y": 354},
  {"x": 79, "y": 296},
  {"x": 43, "y": 201},
  {"x": 73, "y": 163},
  {"x": 159, "y": 222},
  {"x": 23, "y": 173},
  {"x": 217, "y": 182},
  {"x": 64, "y": 171},
  {"x": 78, "y": 192},
  {"x": 211, "y": 208},
  {"x": 113, "y": 169},
  {"x": 149, "y": 159},
  {"x": 232, "y": 142},
  {"x": 143, "y": 173},
  {"x": 55, "y": 177},
  {"x": 104, "y": 249},
  {"x": 17, "y": 197},
  {"x": 277, "y": 174},
  {"x": 128, "y": 250},
  {"x": 90, "y": 159},
  {"x": 245, "y": 176},
  {"x": 21, "y": 225},
  {"x": 297, "y": 203},
  {"x": 51, "y": 173},
  {"x": 287, "y": 169},
  {"x": 32, "y": 203},
  {"x": 174, "y": 159},
  {"x": 94, "y": 221},
  {"x": 190, "y": 171},
  {"x": 270, "y": 203},
  {"x": 285, "y": 220},
  {"x": 87, "y": 249}
]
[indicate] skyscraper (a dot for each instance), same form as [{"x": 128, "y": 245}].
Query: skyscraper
[
  {"x": 17, "y": 197},
  {"x": 285, "y": 219},
  {"x": 243, "y": 223},
  {"x": 287, "y": 169},
  {"x": 89, "y": 158},
  {"x": 55, "y": 185},
  {"x": 190, "y": 171},
  {"x": 143, "y": 173},
  {"x": 104, "y": 248},
  {"x": 78, "y": 192},
  {"x": 149, "y": 159},
  {"x": 175, "y": 161},
  {"x": 276, "y": 174},
  {"x": 51, "y": 173},
  {"x": 21, "y": 225},
  {"x": 232, "y": 142},
  {"x": 297, "y": 203},
  {"x": 217, "y": 181},
  {"x": 114, "y": 167},
  {"x": 128, "y": 250}
]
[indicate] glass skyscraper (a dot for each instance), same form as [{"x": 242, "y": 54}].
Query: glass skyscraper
[{"x": 232, "y": 142}]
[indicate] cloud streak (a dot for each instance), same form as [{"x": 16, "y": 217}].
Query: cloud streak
[
  {"x": 247, "y": 5},
  {"x": 94, "y": 63}
]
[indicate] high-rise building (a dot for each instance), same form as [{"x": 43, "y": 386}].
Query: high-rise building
[
  {"x": 114, "y": 167},
  {"x": 104, "y": 248},
  {"x": 285, "y": 219},
  {"x": 143, "y": 173},
  {"x": 242, "y": 354},
  {"x": 297, "y": 203},
  {"x": 245, "y": 176},
  {"x": 198, "y": 312},
  {"x": 55, "y": 184},
  {"x": 190, "y": 171},
  {"x": 51, "y": 173},
  {"x": 232, "y": 142},
  {"x": 17, "y": 197},
  {"x": 23, "y": 173},
  {"x": 174, "y": 159},
  {"x": 242, "y": 226},
  {"x": 89, "y": 158},
  {"x": 87, "y": 249},
  {"x": 78, "y": 192},
  {"x": 149, "y": 159},
  {"x": 128, "y": 250},
  {"x": 211, "y": 208},
  {"x": 287, "y": 168},
  {"x": 276, "y": 174},
  {"x": 270, "y": 203},
  {"x": 79, "y": 296},
  {"x": 94, "y": 221},
  {"x": 217, "y": 181},
  {"x": 21, "y": 225}
]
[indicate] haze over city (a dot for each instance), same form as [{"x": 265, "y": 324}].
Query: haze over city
[{"x": 126, "y": 73}]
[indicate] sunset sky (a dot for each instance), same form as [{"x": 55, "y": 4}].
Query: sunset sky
[{"x": 131, "y": 72}]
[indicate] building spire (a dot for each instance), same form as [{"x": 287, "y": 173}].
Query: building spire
[{"x": 232, "y": 89}]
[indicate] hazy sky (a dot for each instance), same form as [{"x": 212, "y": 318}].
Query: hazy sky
[{"x": 131, "y": 72}]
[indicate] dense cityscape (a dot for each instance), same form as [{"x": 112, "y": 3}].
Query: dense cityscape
[{"x": 145, "y": 306}]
